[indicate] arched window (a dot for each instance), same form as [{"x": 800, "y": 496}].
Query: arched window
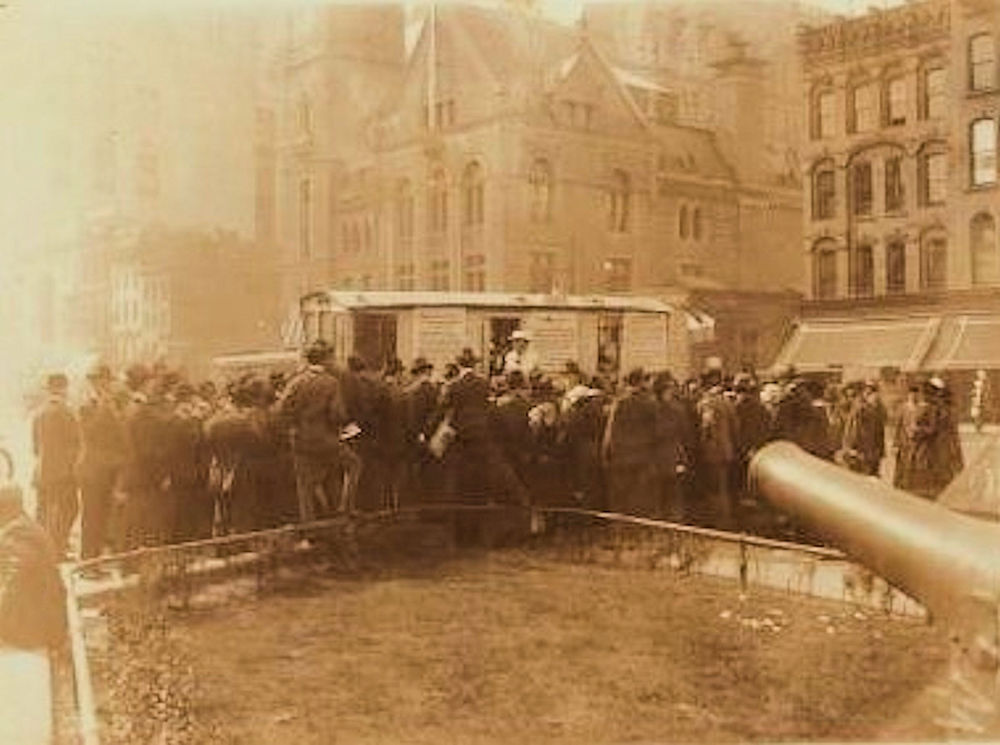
[
  {"x": 540, "y": 181},
  {"x": 862, "y": 260},
  {"x": 863, "y": 109},
  {"x": 437, "y": 202},
  {"x": 824, "y": 191},
  {"x": 895, "y": 195},
  {"x": 983, "y": 152},
  {"x": 825, "y": 270},
  {"x": 982, "y": 62},
  {"x": 696, "y": 226},
  {"x": 933, "y": 261},
  {"x": 895, "y": 267},
  {"x": 983, "y": 243},
  {"x": 683, "y": 226},
  {"x": 862, "y": 195},
  {"x": 472, "y": 194},
  {"x": 618, "y": 202},
  {"x": 932, "y": 173}
]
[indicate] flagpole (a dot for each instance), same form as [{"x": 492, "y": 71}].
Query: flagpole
[{"x": 432, "y": 70}]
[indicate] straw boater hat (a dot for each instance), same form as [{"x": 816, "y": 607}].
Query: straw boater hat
[
  {"x": 520, "y": 335},
  {"x": 99, "y": 372}
]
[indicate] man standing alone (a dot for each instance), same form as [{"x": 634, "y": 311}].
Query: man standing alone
[{"x": 56, "y": 440}]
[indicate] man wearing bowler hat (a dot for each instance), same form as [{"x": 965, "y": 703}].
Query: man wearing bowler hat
[
  {"x": 56, "y": 440},
  {"x": 420, "y": 403}
]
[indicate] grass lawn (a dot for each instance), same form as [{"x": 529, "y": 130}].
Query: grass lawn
[{"x": 513, "y": 648}]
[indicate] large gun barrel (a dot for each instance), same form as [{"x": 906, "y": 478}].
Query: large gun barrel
[
  {"x": 947, "y": 561},
  {"x": 935, "y": 555}
]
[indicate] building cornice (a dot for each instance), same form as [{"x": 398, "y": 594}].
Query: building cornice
[{"x": 876, "y": 33}]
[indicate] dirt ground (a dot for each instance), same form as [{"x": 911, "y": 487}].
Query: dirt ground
[{"x": 513, "y": 648}]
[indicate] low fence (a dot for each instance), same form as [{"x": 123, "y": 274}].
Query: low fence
[{"x": 144, "y": 581}]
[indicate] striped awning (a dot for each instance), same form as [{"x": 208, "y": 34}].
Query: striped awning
[
  {"x": 966, "y": 342},
  {"x": 860, "y": 345}
]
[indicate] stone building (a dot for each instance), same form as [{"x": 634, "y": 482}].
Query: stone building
[
  {"x": 900, "y": 231},
  {"x": 512, "y": 155}
]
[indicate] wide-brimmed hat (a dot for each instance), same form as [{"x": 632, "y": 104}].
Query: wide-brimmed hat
[
  {"x": 318, "y": 352},
  {"x": 99, "y": 372},
  {"x": 56, "y": 383},
  {"x": 467, "y": 358},
  {"x": 521, "y": 335},
  {"x": 635, "y": 376},
  {"x": 420, "y": 364}
]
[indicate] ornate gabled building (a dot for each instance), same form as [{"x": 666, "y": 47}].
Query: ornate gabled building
[
  {"x": 900, "y": 231},
  {"x": 512, "y": 155}
]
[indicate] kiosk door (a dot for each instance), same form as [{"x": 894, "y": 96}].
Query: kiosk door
[
  {"x": 375, "y": 338},
  {"x": 501, "y": 327}
]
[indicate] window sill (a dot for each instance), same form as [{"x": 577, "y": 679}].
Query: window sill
[
  {"x": 976, "y": 188},
  {"x": 982, "y": 92}
]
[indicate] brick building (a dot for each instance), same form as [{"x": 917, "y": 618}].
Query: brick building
[
  {"x": 512, "y": 155},
  {"x": 900, "y": 231}
]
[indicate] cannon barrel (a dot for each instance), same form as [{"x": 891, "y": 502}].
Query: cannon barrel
[{"x": 947, "y": 561}]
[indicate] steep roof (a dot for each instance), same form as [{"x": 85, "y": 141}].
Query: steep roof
[
  {"x": 693, "y": 151},
  {"x": 512, "y": 44}
]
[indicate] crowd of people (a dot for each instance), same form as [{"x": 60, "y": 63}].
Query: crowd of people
[{"x": 151, "y": 458}]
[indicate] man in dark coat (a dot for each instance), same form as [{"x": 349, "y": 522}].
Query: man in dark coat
[
  {"x": 366, "y": 402},
  {"x": 906, "y": 425},
  {"x": 420, "y": 399},
  {"x": 513, "y": 433},
  {"x": 187, "y": 464},
  {"x": 629, "y": 449},
  {"x": 313, "y": 407},
  {"x": 144, "y": 472},
  {"x": 864, "y": 434},
  {"x": 56, "y": 439},
  {"x": 583, "y": 421},
  {"x": 102, "y": 454},
  {"x": 718, "y": 436},
  {"x": 467, "y": 400},
  {"x": 482, "y": 474},
  {"x": 671, "y": 459}
]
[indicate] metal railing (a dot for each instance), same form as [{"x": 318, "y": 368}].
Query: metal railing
[{"x": 181, "y": 563}]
